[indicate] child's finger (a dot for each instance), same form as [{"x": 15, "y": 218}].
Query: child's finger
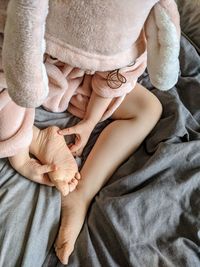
[
  {"x": 46, "y": 168},
  {"x": 79, "y": 152},
  {"x": 76, "y": 146},
  {"x": 70, "y": 145},
  {"x": 72, "y": 185},
  {"x": 68, "y": 131},
  {"x": 63, "y": 187},
  {"x": 78, "y": 176},
  {"x": 47, "y": 181}
]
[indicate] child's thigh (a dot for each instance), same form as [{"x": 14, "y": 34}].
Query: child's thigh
[{"x": 139, "y": 102}]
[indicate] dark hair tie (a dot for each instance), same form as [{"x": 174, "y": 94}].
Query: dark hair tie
[
  {"x": 44, "y": 58},
  {"x": 115, "y": 79},
  {"x": 53, "y": 58}
]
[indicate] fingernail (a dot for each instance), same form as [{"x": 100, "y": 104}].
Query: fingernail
[
  {"x": 65, "y": 192},
  {"x": 78, "y": 176},
  {"x": 55, "y": 167}
]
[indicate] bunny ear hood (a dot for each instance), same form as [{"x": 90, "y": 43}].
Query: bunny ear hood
[
  {"x": 163, "y": 44},
  {"x": 97, "y": 35},
  {"x": 3, "y": 7},
  {"x": 23, "y": 50},
  {"x": 91, "y": 35}
]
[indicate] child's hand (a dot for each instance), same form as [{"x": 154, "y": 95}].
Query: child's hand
[
  {"x": 82, "y": 131},
  {"x": 50, "y": 148},
  {"x": 37, "y": 172},
  {"x": 32, "y": 169}
]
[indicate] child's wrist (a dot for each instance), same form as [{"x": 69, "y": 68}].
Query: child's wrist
[{"x": 90, "y": 122}]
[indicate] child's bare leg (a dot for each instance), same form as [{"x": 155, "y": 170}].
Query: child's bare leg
[
  {"x": 135, "y": 118},
  {"x": 50, "y": 148}
]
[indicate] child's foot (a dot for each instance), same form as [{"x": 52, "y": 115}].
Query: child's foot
[
  {"x": 50, "y": 148},
  {"x": 74, "y": 210}
]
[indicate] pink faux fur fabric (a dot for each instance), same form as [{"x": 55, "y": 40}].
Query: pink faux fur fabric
[
  {"x": 70, "y": 89},
  {"x": 91, "y": 35},
  {"x": 23, "y": 64}
]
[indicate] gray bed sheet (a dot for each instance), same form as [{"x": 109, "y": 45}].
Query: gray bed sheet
[{"x": 147, "y": 215}]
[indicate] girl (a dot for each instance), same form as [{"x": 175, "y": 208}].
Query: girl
[{"x": 95, "y": 53}]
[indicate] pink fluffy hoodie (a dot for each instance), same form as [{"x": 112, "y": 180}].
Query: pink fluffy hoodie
[{"x": 90, "y": 45}]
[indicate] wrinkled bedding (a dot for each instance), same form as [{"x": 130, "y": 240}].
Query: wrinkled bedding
[
  {"x": 147, "y": 215},
  {"x": 190, "y": 20}
]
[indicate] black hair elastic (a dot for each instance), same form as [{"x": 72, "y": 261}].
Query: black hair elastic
[{"x": 115, "y": 79}]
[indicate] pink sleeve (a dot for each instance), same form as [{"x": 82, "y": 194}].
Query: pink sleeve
[
  {"x": 101, "y": 86},
  {"x": 107, "y": 84},
  {"x": 118, "y": 83},
  {"x": 15, "y": 126},
  {"x": 15, "y": 122}
]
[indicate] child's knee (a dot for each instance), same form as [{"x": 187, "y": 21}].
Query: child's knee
[
  {"x": 140, "y": 104},
  {"x": 151, "y": 109}
]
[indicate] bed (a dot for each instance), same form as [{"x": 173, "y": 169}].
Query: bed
[{"x": 148, "y": 214}]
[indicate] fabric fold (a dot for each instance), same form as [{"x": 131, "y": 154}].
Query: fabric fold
[{"x": 16, "y": 122}]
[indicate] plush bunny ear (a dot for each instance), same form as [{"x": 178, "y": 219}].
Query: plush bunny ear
[
  {"x": 163, "y": 44},
  {"x": 23, "y": 50}
]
